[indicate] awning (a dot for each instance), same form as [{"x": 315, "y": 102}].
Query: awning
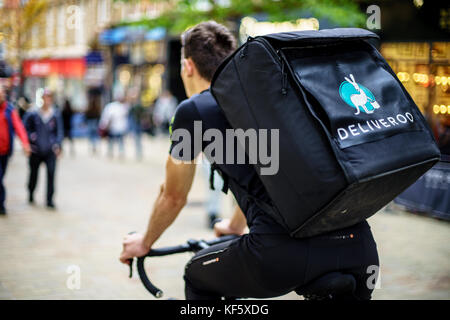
[
  {"x": 155, "y": 34},
  {"x": 131, "y": 34}
]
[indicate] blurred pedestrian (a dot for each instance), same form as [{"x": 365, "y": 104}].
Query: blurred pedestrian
[
  {"x": 46, "y": 132},
  {"x": 67, "y": 114},
  {"x": 114, "y": 120},
  {"x": 136, "y": 115},
  {"x": 10, "y": 123},
  {"x": 23, "y": 105},
  {"x": 164, "y": 110},
  {"x": 92, "y": 116}
]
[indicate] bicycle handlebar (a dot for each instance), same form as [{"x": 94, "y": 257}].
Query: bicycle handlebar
[{"x": 191, "y": 245}]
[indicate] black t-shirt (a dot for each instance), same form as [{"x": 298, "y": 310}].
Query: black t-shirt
[{"x": 243, "y": 178}]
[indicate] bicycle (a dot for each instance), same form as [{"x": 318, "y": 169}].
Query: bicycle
[{"x": 331, "y": 286}]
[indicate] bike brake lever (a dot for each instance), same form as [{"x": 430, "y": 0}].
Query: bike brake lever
[
  {"x": 131, "y": 267},
  {"x": 131, "y": 261}
]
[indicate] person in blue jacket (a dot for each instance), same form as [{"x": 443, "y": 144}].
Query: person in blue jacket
[{"x": 46, "y": 132}]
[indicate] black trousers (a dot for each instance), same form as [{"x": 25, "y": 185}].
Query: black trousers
[
  {"x": 3, "y": 165},
  {"x": 35, "y": 161},
  {"x": 270, "y": 265}
]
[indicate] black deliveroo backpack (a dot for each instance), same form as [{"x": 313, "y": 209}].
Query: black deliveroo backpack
[{"x": 350, "y": 136}]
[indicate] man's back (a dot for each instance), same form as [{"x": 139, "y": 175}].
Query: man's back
[
  {"x": 243, "y": 180},
  {"x": 272, "y": 262}
]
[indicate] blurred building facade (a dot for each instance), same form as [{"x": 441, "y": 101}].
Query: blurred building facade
[
  {"x": 80, "y": 45},
  {"x": 415, "y": 41},
  {"x": 61, "y": 50}
]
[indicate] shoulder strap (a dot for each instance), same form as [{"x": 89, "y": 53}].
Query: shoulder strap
[
  {"x": 266, "y": 206},
  {"x": 8, "y": 113},
  {"x": 201, "y": 100},
  {"x": 215, "y": 167}
]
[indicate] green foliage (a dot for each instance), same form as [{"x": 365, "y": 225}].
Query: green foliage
[
  {"x": 17, "y": 22},
  {"x": 185, "y": 13}
]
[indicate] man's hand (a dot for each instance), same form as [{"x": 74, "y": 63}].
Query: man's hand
[
  {"x": 226, "y": 227},
  {"x": 57, "y": 150},
  {"x": 133, "y": 246},
  {"x": 236, "y": 225},
  {"x": 27, "y": 151}
]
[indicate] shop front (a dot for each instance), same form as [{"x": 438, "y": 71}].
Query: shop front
[
  {"x": 424, "y": 70},
  {"x": 64, "y": 76},
  {"x": 138, "y": 60}
]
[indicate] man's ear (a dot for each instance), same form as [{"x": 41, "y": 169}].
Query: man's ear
[{"x": 189, "y": 67}]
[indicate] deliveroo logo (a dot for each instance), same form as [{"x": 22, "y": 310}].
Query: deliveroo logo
[{"x": 357, "y": 96}]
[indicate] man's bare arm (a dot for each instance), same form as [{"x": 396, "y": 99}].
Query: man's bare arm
[{"x": 171, "y": 199}]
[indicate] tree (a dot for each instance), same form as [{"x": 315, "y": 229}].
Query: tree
[
  {"x": 17, "y": 21},
  {"x": 181, "y": 14}
]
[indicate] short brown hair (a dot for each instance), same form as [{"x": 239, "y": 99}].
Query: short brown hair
[{"x": 207, "y": 44}]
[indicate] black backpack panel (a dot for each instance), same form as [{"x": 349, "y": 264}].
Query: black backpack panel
[{"x": 350, "y": 136}]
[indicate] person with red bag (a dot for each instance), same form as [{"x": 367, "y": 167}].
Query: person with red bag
[{"x": 10, "y": 123}]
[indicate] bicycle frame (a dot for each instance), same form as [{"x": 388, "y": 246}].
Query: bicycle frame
[{"x": 330, "y": 286}]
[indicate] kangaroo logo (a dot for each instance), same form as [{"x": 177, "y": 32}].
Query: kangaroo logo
[{"x": 357, "y": 96}]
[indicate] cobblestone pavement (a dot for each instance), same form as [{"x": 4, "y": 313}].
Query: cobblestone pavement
[{"x": 100, "y": 199}]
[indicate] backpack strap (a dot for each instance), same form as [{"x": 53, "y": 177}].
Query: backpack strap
[
  {"x": 266, "y": 206},
  {"x": 203, "y": 103},
  {"x": 215, "y": 167},
  {"x": 8, "y": 114}
]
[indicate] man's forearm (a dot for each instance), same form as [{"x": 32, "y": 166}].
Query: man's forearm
[
  {"x": 238, "y": 220},
  {"x": 165, "y": 211}
]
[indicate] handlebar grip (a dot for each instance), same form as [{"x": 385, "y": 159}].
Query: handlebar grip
[{"x": 157, "y": 293}]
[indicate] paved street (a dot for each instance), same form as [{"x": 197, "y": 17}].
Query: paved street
[{"x": 99, "y": 200}]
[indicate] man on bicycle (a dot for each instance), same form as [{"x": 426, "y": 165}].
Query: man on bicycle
[{"x": 267, "y": 261}]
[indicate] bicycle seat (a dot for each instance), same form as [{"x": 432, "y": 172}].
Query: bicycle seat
[{"x": 331, "y": 286}]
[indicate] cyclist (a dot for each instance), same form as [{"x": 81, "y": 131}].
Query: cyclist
[{"x": 266, "y": 262}]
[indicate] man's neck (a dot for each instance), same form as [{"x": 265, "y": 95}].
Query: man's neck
[{"x": 200, "y": 86}]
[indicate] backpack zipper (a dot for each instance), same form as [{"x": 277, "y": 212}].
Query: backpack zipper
[
  {"x": 283, "y": 76},
  {"x": 277, "y": 55},
  {"x": 244, "y": 49}
]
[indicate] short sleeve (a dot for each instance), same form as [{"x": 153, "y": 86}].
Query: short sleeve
[{"x": 183, "y": 132}]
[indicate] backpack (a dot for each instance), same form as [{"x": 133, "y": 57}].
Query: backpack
[{"x": 350, "y": 136}]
